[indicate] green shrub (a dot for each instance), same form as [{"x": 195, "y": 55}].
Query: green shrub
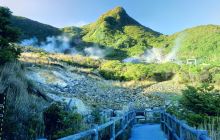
[
  {"x": 198, "y": 73},
  {"x": 9, "y": 53},
  {"x": 60, "y": 123},
  {"x": 8, "y": 35},
  {"x": 112, "y": 70},
  {"x": 196, "y": 103},
  {"x": 216, "y": 78},
  {"x": 23, "y": 111},
  {"x": 116, "y": 70},
  {"x": 202, "y": 100},
  {"x": 97, "y": 116}
]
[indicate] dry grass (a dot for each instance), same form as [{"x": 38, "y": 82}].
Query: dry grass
[
  {"x": 58, "y": 58},
  {"x": 22, "y": 107},
  {"x": 213, "y": 127}
]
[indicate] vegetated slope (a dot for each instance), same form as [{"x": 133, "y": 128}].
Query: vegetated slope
[
  {"x": 117, "y": 29},
  {"x": 30, "y": 28},
  {"x": 201, "y": 42},
  {"x": 82, "y": 81}
]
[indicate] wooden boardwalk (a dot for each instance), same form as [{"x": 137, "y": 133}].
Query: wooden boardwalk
[
  {"x": 147, "y": 132},
  {"x": 172, "y": 128}
]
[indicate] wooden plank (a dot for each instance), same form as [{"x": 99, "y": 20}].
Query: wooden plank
[{"x": 112, "y": 131}]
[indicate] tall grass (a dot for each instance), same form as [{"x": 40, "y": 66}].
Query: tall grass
[
  {"x": 52, "y": 59},
  {"x": 212, "y": 125},
  {"x": 23, "y": 118}
]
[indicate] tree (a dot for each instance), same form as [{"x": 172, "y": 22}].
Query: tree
[
  {"x": 202, "y": 100},
  {"x": 8, "y": 35},
  {"x": 60, "y": 122}
]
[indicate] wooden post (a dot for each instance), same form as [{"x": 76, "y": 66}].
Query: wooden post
[
  {"x": 122, "y": 126},
  {"x": 145, "y": 117},
  {"x": 162, "y": 121},
  {"x": 2, "y": 112},
  {"x": 113, "y": 131},
  {"x": 126, "y": 118},
  {"x": 172, "y": 127},
  {"x": 201, "y": 133},
  {"x": 168, "y": 134},
  {"x": 96, "y": 135},
  {"x": 181, "y": 133},
  {"x": 135, "y": 121},
  {"x": 122, "y": 123}
]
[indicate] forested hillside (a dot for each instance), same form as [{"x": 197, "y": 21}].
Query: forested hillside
[
  {"x": 201, "y": 42},
  {"x": 117, "y": 30},
  {"x": 30, "y": 28}
]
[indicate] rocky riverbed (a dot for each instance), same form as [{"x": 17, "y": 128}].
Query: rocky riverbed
[{"x": 90, "y": 91}]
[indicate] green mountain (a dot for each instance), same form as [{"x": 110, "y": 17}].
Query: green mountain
[
  {"x": 30, "y": 28},
  {"x": 118, "y": 30},
  {"x": 201, "y": 42}
]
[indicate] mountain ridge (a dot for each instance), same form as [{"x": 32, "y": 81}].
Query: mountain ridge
[
  {"x": 116, "y": 29},
  {"x": 31, "y": 28}
]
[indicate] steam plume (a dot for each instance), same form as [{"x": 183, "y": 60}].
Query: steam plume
[
  {"x": 61, "y": 44},
  {"x": 95, "y": 52},
  {"x": 155, "y": 55},
  {"x": 29, "y": 42}
]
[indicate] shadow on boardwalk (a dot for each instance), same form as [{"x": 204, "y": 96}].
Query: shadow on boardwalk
[{"x": 147, "y": 132}]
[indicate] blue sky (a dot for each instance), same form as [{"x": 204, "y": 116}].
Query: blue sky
[{"x": 165, "y": 16}]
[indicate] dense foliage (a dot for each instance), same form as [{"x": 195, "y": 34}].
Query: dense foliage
[
  {"x": 199, "y": 107},
  {"x": 30, "y": 28},
  {"x": 8, "y": 35},
  {"x": 117, "y": 29},
  {"x": 127, "y": 71},
  {"x": 23, "y": 110},
  {"x": 60, "y": 122},
  {"x": 201, "y": 42},
  {"x": 199, "y": 73},
  {"x": 202, "y": 100}
]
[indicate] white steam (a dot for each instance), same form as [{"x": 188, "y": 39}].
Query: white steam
[
  {"x": 132, "y": 60},
  {"x": 95, "y": 52},
  {"x": 155, "y": 55},
  {"x": 172, "y": 55},
  {"x": 62, "y": 44},
  {"x": 29, "y": 42},
  {"x": 59, "y": 44}
]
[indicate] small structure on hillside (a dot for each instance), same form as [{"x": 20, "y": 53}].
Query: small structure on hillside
[{"x": 191, "y": 62}]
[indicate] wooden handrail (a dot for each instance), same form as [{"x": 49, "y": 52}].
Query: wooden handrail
[
  {"x": 172, "y": 127},
  {"x": 178, "y": 130},
  {"x": 128, "y": 118}
]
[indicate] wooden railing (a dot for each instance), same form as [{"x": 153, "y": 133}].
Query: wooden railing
[
  {"x": 178, "y": 130},
  {"x": 2, "y": 111},
  {"x": 173, "y": 128},
  {"x": 127, "y": 120}
]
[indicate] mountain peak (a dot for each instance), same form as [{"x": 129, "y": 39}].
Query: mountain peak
[
  {"x": 117, "y": 10},
  {"x": 119, "y": 16}
]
